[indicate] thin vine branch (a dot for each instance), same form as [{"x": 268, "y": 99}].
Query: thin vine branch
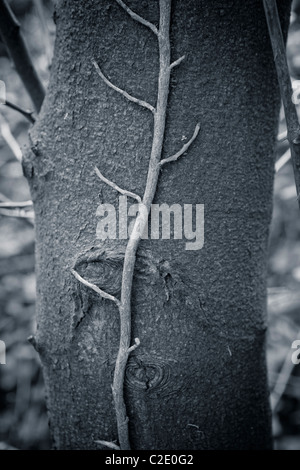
[
  {"x": 138, "y": 18},
  {"x": 117, "y": 188},
  {"x": 286, "y": 90},
  {"x": 9, "y": 138},
  {"x": 282, "y": 160},
  {"x": 14, "y": 41},
  {"x": 99, "y": 291},
  {"x": 20, "y": 213},
  {"x": 110, "y": 445},
  {"x": 183, "y": 149},
  {"x": 142, "y": 103},
  {"x": 26, "y": 113},
  {"x": 132, "y": 348}
]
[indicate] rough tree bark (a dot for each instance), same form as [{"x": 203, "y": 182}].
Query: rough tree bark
[{"x": 198, "y": 379}]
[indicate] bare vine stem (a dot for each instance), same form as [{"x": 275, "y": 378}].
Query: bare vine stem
[
  {"x": 155, "y": 163},
  {"x": 286, "y": 91},
  {"x": 14, "y": 41}
]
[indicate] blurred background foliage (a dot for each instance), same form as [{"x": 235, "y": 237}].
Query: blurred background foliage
[{"x": 23, "y": 419}]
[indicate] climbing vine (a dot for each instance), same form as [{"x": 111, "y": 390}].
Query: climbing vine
[{"x": 159, "y": 113}]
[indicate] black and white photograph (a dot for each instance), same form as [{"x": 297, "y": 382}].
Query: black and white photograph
[{"x": 149, "y": 228}]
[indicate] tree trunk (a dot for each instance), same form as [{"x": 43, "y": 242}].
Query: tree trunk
[{"x": 198, "y": 379}]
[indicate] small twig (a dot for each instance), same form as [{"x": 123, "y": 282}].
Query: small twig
[
  {"x": 286, "y": 90},
  {"x": 26, "y": 113},
  {"x": 132, "y": 348},
  {"x": 12, "y": 204},
  {"x": 138, "y": 18},
  {"x": 117, "y": 188},
  {"x": 14, "y": 41},
  {"x": 122, "y": 92},
  {"x": 4, "y": 198},
  {"x": 183, "y": 150},
  {"x": 177, "y": 62},
  {"x": 110, "y": 445},
  {"x": 99, "y": 291}
]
